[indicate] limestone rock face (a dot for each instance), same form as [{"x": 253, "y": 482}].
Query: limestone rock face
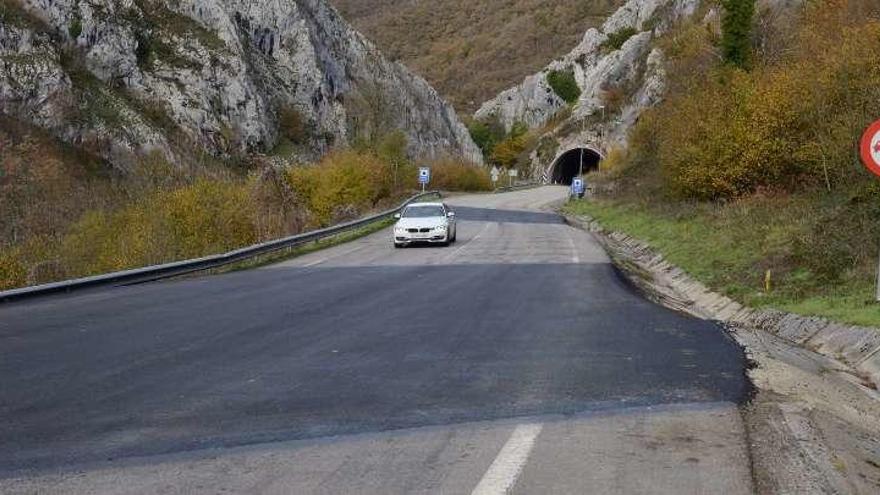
[
  {"x": 618, "y": 72},
  {"x": 597, "y": 66},
  {"x": 132, "y": 76}
]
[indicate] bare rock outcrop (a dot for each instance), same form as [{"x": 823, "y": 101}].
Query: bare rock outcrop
[
  {"x": 126, "y": 77},
  {"x": 618, "y": 71}
]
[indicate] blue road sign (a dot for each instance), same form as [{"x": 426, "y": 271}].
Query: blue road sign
[
  {"x": 424, "y": 175},
  {"x": 577, "y": 187}
]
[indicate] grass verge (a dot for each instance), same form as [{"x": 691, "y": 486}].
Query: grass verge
[{"x": 731, "y": 248}]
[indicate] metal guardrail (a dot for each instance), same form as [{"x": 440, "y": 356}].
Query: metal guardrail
[{"x": 158, "y": 272}]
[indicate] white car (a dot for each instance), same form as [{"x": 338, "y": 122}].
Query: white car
[{"x": 424, "y": 222}]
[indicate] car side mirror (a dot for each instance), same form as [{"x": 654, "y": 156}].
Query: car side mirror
[
  {"x": 450, "y": 214},
  {"x": 397, "y": 216}
]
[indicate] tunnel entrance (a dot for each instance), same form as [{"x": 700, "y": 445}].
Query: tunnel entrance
[{"x": 572, "y": 162}]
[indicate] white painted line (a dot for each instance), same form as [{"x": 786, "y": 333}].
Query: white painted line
[
  {"x": 317, "y": 262},
  {"x": 505, "y": 470}
]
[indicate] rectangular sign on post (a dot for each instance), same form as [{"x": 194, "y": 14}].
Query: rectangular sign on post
[
  {"x": 577, "y": 187},
  {"x": 424, "y": 176}
]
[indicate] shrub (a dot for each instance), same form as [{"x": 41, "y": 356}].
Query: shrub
[
  {"x": 617, "y": 39},
  {"x": 343, "y": 178},
  {"x": 615, "y": 161},
  {"x": 291, "y": 125},
  {"x": 12, "y": 13},
  {"x": 508, "y": 151},
  {"x": 486, "y": 134},
  {"x": 563, "y": 83},
  {"x": 450, "y": 174},
  {"x": 207, "y": 217},
  {"x": 784, "y": 126},
  {"x": 736, "y": 31},
  {"x": 12, "y": 271},
  {"x": 75, "y": 28}
]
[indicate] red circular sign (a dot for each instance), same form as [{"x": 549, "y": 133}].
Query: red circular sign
[{"x": 870, "y": 148}]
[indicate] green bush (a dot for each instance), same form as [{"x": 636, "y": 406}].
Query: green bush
[
  {"x": 617, "y": 39},
  {"x": 486, "y": 134},
  {"x": 736, "y": 31},
  {"x": 75, "y": 28},
  {"x": 564, "y": 85}
]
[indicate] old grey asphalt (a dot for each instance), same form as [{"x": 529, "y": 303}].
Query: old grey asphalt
[{"x": 516, "y": 359}]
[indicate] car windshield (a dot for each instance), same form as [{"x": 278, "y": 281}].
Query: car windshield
[{"x": 423, "y": 211}]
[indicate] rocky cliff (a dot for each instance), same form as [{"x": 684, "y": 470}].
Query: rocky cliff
[
  {"x": 617, "y": 70},
  {"x": 126, "y": 77}
]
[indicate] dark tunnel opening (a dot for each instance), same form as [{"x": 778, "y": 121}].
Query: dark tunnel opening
[{"x": 573, "y": 162}]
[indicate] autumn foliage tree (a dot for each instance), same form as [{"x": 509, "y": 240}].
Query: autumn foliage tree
[{"x": 784, "y": 126}]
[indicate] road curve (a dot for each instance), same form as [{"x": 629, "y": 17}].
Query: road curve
[{"x": 444, "y": 353}]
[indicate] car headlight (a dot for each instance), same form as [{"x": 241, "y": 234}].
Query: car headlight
[{"x": 441, "y": 228}]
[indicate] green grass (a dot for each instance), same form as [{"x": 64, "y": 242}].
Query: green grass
[{"x": 730, "y": 248}]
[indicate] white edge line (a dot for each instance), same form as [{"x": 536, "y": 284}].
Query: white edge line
[{"x": 508, "y": 465}]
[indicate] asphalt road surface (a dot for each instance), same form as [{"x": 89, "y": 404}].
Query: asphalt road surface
[{"x": 516, "y": 360}]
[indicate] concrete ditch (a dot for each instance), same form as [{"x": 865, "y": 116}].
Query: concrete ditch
[{"x": 814, "y": 423}]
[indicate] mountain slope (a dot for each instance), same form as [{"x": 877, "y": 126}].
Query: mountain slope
[
  {"x": 223, "y": 76},
  {"x": 472, "y": 50}
]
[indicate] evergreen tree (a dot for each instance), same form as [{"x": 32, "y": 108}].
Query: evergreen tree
[{"x": 736, "y": 31}]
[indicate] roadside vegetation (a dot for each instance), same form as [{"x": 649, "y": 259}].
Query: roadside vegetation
[
  {"x": 748, "y": 174},
  {"x": 513, "y": 149},
  {"x": 66, "y": 214}
]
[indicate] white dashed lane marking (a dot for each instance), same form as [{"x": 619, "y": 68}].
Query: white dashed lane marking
[{"x": 505, "y": 470}]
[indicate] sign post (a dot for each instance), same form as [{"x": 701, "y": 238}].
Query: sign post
[
  {"x": 870, "y": 151},
  {"x": 511, "y": 174},
  {"x": 424, "y": 176},
  {"x": 577, "y": 187},
  {"x": 495, "y": 173}
]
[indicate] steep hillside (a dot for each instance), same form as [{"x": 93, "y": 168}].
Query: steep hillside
[
  {"x": 749, "y": 176},
  {"x": 587, "y": 98},
  {"x": 472, "y": 50},
  {"x": 136, "y": 132},
  {"x": 224, "y": 76}
]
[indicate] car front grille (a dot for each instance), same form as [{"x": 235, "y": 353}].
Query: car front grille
[{"x": 423, "y": 229}]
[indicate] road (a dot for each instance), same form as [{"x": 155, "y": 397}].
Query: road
[{"x": 515, "y": 361}]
